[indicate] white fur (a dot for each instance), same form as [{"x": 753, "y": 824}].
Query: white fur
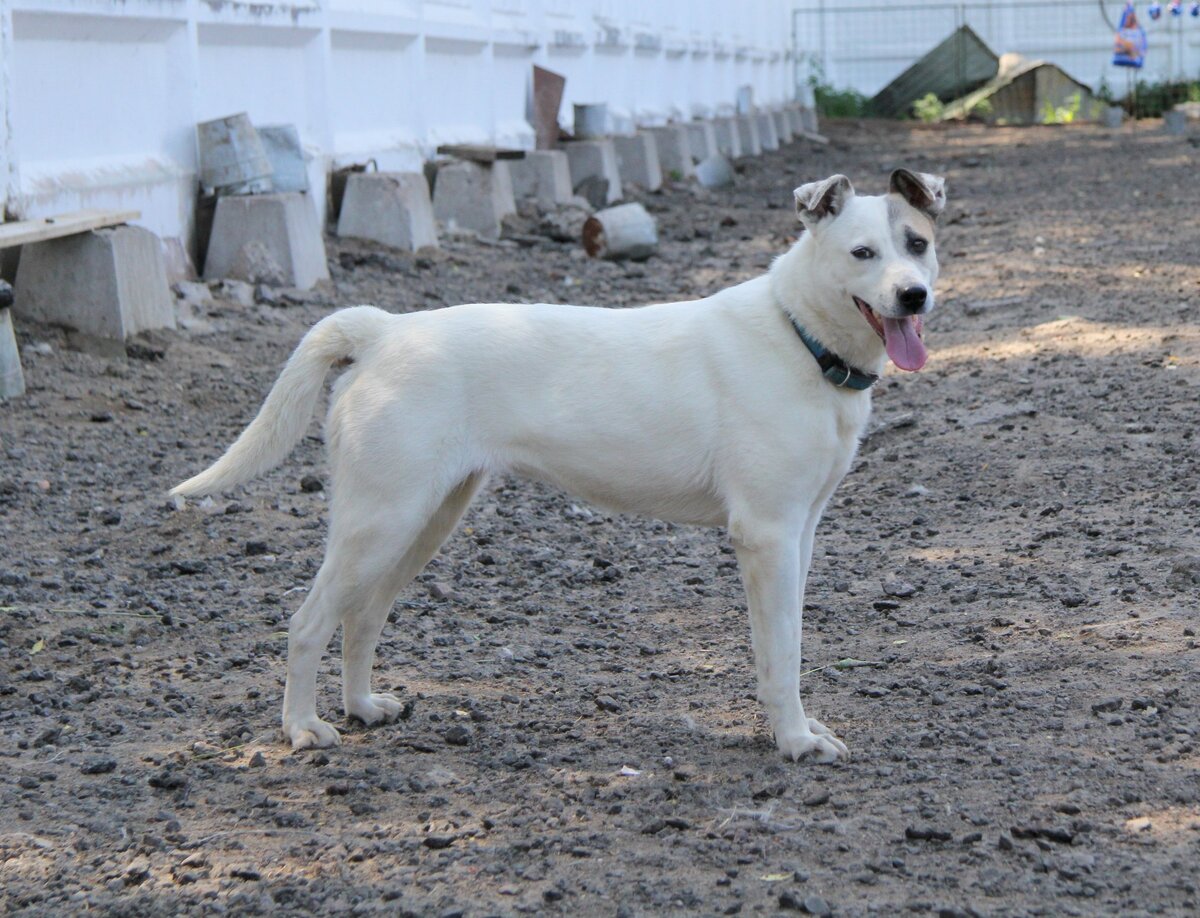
[{"x": 709, "y": 412}]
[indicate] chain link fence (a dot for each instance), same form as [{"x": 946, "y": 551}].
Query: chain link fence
[{"x": 858, "y": 50}]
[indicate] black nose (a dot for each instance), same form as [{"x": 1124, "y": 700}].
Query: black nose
[{"x": 912, "y": 299}]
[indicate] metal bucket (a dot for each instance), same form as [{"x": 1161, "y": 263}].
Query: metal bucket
[
  {"x": 282, "y": 143},
  {"x": 591, "y": 121},
  {"x": 232, "y": 158}
]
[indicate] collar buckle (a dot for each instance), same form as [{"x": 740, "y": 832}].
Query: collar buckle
[{"x": 833, "y": 367}]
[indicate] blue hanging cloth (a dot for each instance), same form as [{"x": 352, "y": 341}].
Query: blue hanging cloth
[{"x": 1129, "y": 46}]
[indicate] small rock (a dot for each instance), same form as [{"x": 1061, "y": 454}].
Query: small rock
[
  {"x": 441, "y": 590},
  {"x": 608, "y": 703},
  {"x": 901, "y": 589},
  {"x": 458, "y": 735},
  {"x": 245, "y": 873},
  {"x": 256, "y": 547},
  {"x": 438, "y": 842},
  {"x": 98, "y": 765},
  {"x": 926, "y": 833},
  {"x": 820, "y": 798},
  {"x": 258, "y": 760},
  {"x": 101, "y": 417},
  {"x": 1107, "y": 706},
  {"x": 266, "y": 295},
  {"x": 311, "y": 484},
  {"x": 167, "y": 779},
  {"x": 110, "y": 517}
]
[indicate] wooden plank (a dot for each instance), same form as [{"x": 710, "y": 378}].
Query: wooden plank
[
  {"x": 23, "y": 232},
  {"x": 478, "y": 153}
]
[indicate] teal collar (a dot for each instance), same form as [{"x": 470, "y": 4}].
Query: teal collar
[{"x": 833, "y": 367}]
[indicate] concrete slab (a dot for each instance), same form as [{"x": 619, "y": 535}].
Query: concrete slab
[
  {"x": 783, "y": 125},
  {"x": 748, "y": 133},
  {"x": 267, "y": 239},
  {"x": 674, "y": 151},
  {"x": 473, "y": 197},
  {"x": 702, "y": 140},
  {"x": 729, "y": 140},
  {"x": 544, "y": 175},
  {"x": 393, "y": 208},
  {"x": 637, "y": 160},
  {"x": 12, "y": 380},
  {"x": 106, "y": 285},
  {"x": 595, "y": 159},
  {"x": 766, "y": 131}
]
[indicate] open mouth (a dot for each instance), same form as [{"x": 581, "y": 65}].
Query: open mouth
[{"x": 901, "y": 337}]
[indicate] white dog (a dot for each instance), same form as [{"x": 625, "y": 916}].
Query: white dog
[{"x": 741, "y": 410}]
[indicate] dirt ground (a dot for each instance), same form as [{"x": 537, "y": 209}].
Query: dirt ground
[{"x": 582, "y": 736}]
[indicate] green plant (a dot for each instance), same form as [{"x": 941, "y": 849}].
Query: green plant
[
  {"x": 835, "y": 103},
  {"x": 981, "y": 109},
  {"x": 1150, "y": 100},
  {"x": 929, "y": 108},
  {"x": 1062, "y": 114}
]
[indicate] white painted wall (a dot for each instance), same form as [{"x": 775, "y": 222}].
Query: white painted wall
[
  {"x": 864, "y": 45},
  {"x": 99, "y": 98}
]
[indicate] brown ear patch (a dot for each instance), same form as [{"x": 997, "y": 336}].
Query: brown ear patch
[
  {"x": 817, "y": 200},
  {"x": 923, "y": 191}
]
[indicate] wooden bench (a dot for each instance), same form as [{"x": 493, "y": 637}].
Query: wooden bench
[{"x": 23, "y": 232}]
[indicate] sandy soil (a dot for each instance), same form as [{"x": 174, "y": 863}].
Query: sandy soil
[{"x": 582, "y": 736}]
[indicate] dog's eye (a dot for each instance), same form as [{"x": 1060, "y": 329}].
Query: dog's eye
[
  {"x": 917, "y": 246},
  {"x": 862, "y": 253}
]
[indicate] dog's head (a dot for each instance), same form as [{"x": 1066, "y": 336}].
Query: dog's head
[{"x": 876, "y": 253}]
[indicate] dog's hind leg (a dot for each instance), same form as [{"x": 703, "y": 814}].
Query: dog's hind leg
[
  {"x": 361, "y": 627},
  {"x": 371, "y": 530}
]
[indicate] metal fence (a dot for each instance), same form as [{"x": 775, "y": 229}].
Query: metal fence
[{"x": 864, "y": 47}]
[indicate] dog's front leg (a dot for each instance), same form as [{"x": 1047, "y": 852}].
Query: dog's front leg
[{"x": 774, "y": 562}]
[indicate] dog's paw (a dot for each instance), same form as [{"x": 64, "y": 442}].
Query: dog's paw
[
  {"x": 311, "y": 733},
  {"x": 815, "y": 740},
  {"x": 375, "y": 709}
]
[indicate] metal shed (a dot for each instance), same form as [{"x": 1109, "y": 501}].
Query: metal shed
[
  {"x": 1027, "y": 92},
  {"x": 958, "y": 64}
]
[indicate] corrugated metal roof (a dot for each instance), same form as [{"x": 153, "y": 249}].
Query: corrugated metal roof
[{"x": 957, "y": 64}]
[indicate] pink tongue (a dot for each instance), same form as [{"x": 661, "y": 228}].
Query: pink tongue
[{"x": 903, "y": 344}]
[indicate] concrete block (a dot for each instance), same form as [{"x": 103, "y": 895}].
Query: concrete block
[
  {"x": 544, "y": 175},
  {"x": 783, "y": 125},
  {"x": 795, "y": 120},
  {"x": 702, "y": 140},
  {"x": 106, "y": 285},
  {"x": 637, "y": 160},
  {"x": 393, "y": 208},
  {"x": 674, "y": 151},
  {"x": 748, "y": 133},
  {"x": 472, "y": 197},
  {"x": 267, "y": 239},
  {"x": 595, "y": 159},
  {"x": 729, "y": 139},
  {"x": 766, "y": 131},
  {"x": 12, "y": 380},
  {"x": 715, "y": 172}
]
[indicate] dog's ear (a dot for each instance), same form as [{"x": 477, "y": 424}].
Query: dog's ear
[
  {"x": 826, "y": 198},
  {"x": 925, "y": 192}
]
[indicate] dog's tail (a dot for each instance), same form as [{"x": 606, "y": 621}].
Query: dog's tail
[{"x": 285, "y": 414}]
